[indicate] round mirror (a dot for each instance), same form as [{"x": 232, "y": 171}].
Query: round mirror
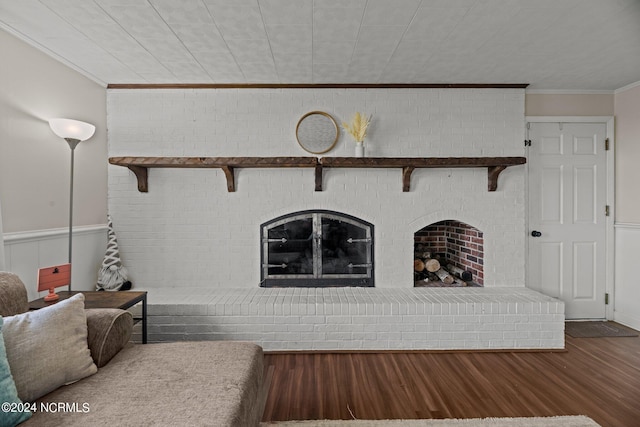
[{"x": 317, "y": 132}]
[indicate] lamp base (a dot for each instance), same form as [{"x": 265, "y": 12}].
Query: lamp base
[{"x": 52, "y": 296}]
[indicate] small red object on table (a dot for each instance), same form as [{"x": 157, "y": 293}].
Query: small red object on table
[{"x": 53, "y": 277}]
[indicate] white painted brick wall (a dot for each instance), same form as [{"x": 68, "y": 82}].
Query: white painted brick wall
[{"x": 188, "y": 231}]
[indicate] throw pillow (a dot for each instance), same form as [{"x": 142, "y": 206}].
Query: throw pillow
[
  {"x": 13, "y": 411},
  {"x": 48, "y": 348}
]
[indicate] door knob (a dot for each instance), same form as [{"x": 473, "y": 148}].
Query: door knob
[{"x": 535, "y": 233}]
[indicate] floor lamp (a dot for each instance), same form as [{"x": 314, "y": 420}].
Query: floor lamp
[{"x": 74, "y": 132}]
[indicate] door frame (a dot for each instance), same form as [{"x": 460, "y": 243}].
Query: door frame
[{"x": 609, "y": 121}]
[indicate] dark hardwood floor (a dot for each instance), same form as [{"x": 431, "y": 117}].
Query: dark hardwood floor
[{"x": 597, "y": 377}]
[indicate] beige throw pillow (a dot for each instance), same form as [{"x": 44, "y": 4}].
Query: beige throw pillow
[{"x": 47, "y": 348}]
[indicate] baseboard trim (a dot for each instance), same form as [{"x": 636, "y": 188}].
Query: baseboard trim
[
  {"x": 401, "y": 351},
  {"x": 627, "y": 320}
]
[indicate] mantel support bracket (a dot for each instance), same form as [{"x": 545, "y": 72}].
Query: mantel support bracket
[
  {"x": 142, "y": 174},
  {"x": 493, "y": 172},
  {"x": 406, "y": 178},
  {"x": 231, "y": 178},
  {"x": 318, "y": 168}
]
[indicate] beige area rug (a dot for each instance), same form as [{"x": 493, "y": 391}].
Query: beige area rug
[{"x": 564, "y": 421}]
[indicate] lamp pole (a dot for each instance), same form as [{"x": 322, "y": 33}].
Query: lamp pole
[
  {"x": 72, "y": 131},
  {"x": 72, "y": 144}
]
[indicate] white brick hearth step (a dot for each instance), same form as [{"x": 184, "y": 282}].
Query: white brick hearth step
[{"x": 360, "y": 318}]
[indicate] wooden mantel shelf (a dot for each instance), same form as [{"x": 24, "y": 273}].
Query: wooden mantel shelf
[
  {"x": 140, "y": 165},
  {"x": 494, "y": 165}
]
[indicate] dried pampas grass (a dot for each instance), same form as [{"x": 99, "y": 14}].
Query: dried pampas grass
[{"x": 358, "y": 126}]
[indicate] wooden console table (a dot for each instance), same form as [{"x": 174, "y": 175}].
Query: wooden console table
[
  {"x": 104, "y": 299},
  {"x": 140, "y": 165}
]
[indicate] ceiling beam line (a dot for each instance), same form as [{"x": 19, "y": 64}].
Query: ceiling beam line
[{"x": 320, "y": 86}]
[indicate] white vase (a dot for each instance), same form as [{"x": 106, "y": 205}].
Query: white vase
[{"x": 359, "y": 149}]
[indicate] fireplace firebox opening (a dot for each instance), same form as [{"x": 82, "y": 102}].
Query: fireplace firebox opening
[
  {"x": 448, "y": 253},
  {"x": 316, "y": 248}
]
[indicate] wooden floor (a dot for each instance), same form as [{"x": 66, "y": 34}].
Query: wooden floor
[{"x": 597, "y": 377}]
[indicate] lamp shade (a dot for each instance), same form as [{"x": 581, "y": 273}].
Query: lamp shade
[{"x": 72, "y": 129}]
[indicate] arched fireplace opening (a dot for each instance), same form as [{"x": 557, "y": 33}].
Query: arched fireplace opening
[
  {"x": 448, "y": 253},
  {"x": 316, "y": 248}
]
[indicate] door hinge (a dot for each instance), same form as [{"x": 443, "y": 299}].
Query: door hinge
[
  {"x": 606, "y": 299},
  {"x": 606, "y": 144},
  {"x": 607, "y": 210},
  {"x": 527, "y": 143}
]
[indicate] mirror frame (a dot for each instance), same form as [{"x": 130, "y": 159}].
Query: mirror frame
[{"x": 325, "y": 145}]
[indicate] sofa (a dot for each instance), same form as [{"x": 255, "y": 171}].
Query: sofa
[{"x": 100, "y": 378}]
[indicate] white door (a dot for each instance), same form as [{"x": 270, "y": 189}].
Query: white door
[{"x": 567, "y": 225}]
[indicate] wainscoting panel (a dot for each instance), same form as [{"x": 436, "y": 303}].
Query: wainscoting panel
[
  {"x": 25, "y": 252},
  {"x": 627, "y": 287}
]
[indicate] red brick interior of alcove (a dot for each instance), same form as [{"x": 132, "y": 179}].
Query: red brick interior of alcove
[{"x": 458, "y": 243}]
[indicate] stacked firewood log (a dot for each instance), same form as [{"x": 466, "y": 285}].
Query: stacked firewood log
[{"x": 432, "y": 267}]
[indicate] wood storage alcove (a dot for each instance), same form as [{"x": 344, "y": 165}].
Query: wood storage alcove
[{"x": 448, "y": 253}]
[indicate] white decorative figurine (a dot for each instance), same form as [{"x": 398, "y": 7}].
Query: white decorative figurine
[{"x": 112, "y": 275}]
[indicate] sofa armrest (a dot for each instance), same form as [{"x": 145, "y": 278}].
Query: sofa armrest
[
  {"x": 13, "y": 294},
  {"x": 109, "y": 330}
]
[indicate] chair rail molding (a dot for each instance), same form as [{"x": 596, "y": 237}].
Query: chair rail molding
[{"x": 27, "y": 251}]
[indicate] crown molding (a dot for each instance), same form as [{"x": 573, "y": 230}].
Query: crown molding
[
  {"x": 627, "y": 87},
  {"x": 568, "y": 92}
]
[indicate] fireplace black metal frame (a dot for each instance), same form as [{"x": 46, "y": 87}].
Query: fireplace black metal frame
[{"x": 318, "y": 278}]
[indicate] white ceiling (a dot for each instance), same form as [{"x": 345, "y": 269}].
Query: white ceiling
[{"x": 581, "y": 45}]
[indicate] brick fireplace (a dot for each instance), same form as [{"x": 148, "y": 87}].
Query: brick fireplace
[
  {"x": 188, "y": 231},
  {"x": 197, "y": 247}
]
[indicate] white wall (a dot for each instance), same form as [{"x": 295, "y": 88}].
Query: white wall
[
  {"x": 35, "y": 163},
  {"x": 189, "y": 231},
  {"x": 569, "y": 104},
  {"x": 627, "y": 107},
  {"x": 627, "y": 288}
]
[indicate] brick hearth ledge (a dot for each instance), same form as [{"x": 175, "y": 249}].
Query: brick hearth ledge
[{"x": 360, "y": 318}]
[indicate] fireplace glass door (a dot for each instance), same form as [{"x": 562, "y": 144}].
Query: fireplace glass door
[{"x": 317, "y": 249}]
